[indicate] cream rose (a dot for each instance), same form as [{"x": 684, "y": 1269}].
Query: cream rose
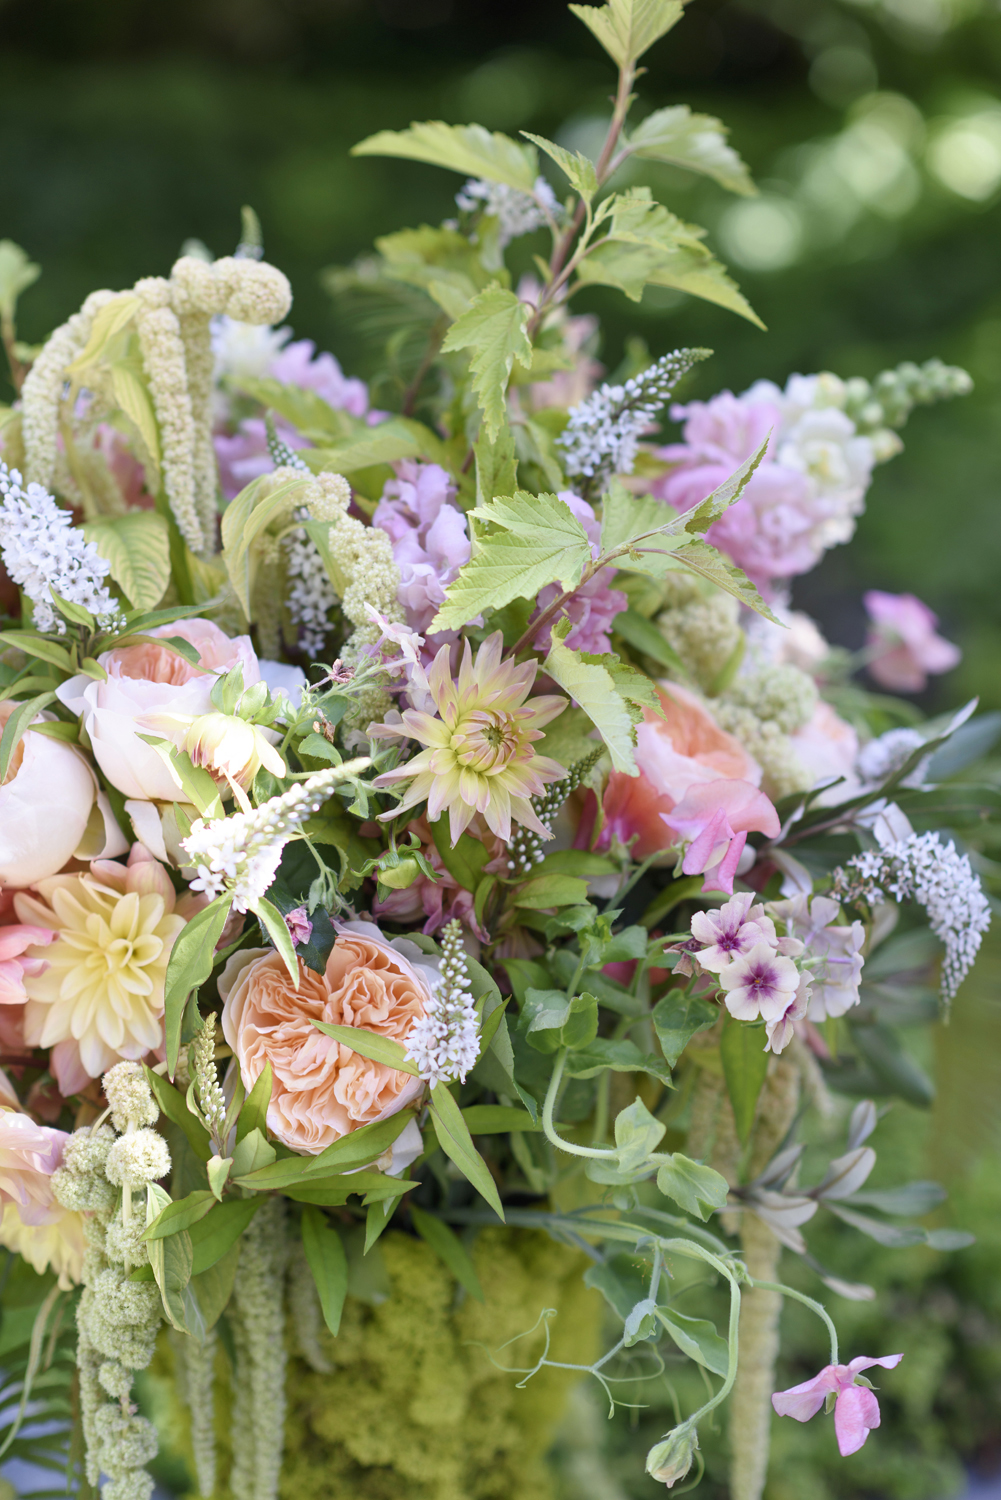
[
  {"x": 45, "y": 805},
  {"x": 147, "y": 680},
  {"x": 322, "y": 1090}
]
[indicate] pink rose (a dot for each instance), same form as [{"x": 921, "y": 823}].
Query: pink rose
[
  {"x": 151, "y": 679},
  {"x": 322, "y": 1090},
  {"x": 683, "y": 750},
  {"x": 32, "y": 1222},
  {"x": 45, "y": 804},
  {"x": 905, "y": 642}
]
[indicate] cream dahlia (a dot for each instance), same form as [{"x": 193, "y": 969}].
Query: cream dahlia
[{"x": 480, "y": 755}]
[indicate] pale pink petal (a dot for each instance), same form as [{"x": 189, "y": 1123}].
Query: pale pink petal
[
  {"x": 888, "y": 1362},
  {"x": 855, "y": 1414},
  {"x": 804, "y": 1401},
  {"x": 720, "y": 877}
]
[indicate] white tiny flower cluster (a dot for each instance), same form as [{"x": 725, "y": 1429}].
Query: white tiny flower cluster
[
  {"x": 445, "y": 1042},
  {"x": 241, "y": 853},
  {"x": 311, "y": 596},
  {"x": 882, "y": 757},
  {"x": 517, "y": 213},
  {"x": 603, "y": 432},
  {"x": 921, "y": 868},
  {"x": 43, "y": 550}
]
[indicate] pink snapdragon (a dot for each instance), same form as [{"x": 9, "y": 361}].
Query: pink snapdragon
[
  {"x": 716, "y": 816},
  {"x": 903, "y": 635},
  {"x": 731, "y": 931},
  {"x": 429, "y": 533},
  {"x": 856, "y": 1410},
  {"x": 592, "y": 608}
]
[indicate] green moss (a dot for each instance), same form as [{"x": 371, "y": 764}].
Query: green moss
[{"x": 413, "y": 1405}]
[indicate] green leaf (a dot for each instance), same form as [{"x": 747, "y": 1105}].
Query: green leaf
[
  {"x": 894, "y": 1236},
  {"x": 384, "y": 444},
  {"x": 704, "y": 560},
  {"x": 171, "y": 1261},
  {"x": 648, "y": 246},
  {"x": 577, "y": 167},
  {"x": 609, "y": 692},
  {"x": 637, "y": 1136},
  {"x": 276, "y": 927},
  {"x": 194, "y": 781},
  {"x": 448, "y": 1247},
  {"x": 180, "y": 1215},
  {"x": 252, "y": 1153},
  {"x": 38, "y": 646},
  {"x": 328, "y": 1263},
  {"x": 495, "y": 329},
  {"x": 457, "y": 1144},
  {"x": 537, "y": 540},
  {"x": 212, "y": 1237},
  {"x": 362, "y": 1146},
  {"x": 678, "y": 1017},
  {"x": 697, "y": 1188},
  {"x": 745, "y": 1066},
  {"x": 464, "y": 860},
  {"x": 469, "y": 149},
  {"x": 627, "y": 28},
  {"x": 190, "y": 964},
  {"x": 213, "y": 1287},
  {"x": 244, "y": 519},
  {"x": 697, "y": 1338},
  {"x": 497, "y": 1119},
  {"x": 15, "y": 727},
  {"x": 137, "y": 546},
  {"x": 698, "y": 142},
  {"x": 622, "y": 1056},
  {"x": 381, "y": 1049},
  {"x": 496, "y": 465},
  {"x": 543, "y": 891},
  {"x": 254, "y": 1114},
  {"x": 174, "y": 1106},
  {"x": 218, "y": 1169},
  {"x": 17, "y": 273},
  {"x": 642, "y": 634},
  {"x": 893, "y": 1064}
]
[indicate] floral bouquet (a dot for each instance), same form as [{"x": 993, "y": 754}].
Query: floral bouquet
[{"x": 434, "y": 820}]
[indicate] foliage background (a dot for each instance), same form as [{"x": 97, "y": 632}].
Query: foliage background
[{"x": 874, "y": 128}]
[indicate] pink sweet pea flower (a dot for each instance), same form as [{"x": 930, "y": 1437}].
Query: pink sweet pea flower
[
  {"x": 856, "y": 1410},
  {"x": 717, "y": 817},
  {"x": 903, "y": 632}
]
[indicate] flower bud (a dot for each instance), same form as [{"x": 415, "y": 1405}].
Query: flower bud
[
  {"x": 228, "y": 746},
  {"x": 670, "y": 1460},
  {"x": 400, "y": 875}
]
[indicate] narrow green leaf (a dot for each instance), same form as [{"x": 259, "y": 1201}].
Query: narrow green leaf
[
  {"x": 171, "y": 1261},
  {"x": 213, "y": 1287},
  {"x": 464, "y": 860},
  {"x": 190, "y": 964},
  {"x": 361, "y": 1146},
  {"x": 637, "y": 631},
  {"x": 38, "y": 646},
  {"x": 212, "y": 1237},
  {"x": 173, "y": 1105},
  {"x": 276, "y": 927},
  {"x": 254, "y": 1114},
  {"x": 497, "y": 1119},
  {"x": 328, "y": 1263},
  {"x": 457, "y": 1144},
  {"x": 180, "y": 1215},
  {"x": 495, "y": 331},
  {"x": 15, "y": 727},
  {"x": 381, "y": 1049},
  {"x": 469, "y": 149},
  {"x": 448, "y": 1247},
  {"x": 745, "y": 1066}
]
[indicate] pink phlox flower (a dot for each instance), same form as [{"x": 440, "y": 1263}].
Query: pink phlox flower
[
  {"x": 429, "y": 533},
  {"x": 592, "y": 608},
  {"x": 299, "y": 364},
  {"x": 717, "y": 817},
  {"x": 760, "y": 983},
  {"x": 299, "y": 926},
  {"x": 781, "y": 1030},
  {"x": 903, "y": 632},
  {"x": 856, "y": 1410},
  {"x": 410, "y": 660},
  {"x": 732, "y": 930},
  {"x": 835, "y": 987}
]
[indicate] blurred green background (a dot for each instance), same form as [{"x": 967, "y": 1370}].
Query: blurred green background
[{"x": 874, "y": 130}]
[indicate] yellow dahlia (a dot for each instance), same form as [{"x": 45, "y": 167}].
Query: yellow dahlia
[
  {"x": 480, "y": 755},
  {"x": 99, "y": 997}
]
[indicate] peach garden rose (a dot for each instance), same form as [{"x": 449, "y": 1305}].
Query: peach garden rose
[{"x": 321, "y": 1089}]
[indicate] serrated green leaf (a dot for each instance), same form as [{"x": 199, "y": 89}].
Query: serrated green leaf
[
  {"x": 329, "y": 1264},
  {"x": 495, "y": 330},
  {"x": 646, "y": 245},
  {"x": 449, "y": 1249},
  {"x": 577, "y": 167},
  {"x": 628, "y": 28},
  {"x": 469, "y": 149},
  {"x": 610, "y": 692},
  {"x": 138, "y": 548},
  {"x": 537, "y": 541},
  {"x": 456, "y": 1142},
  {"x": 381, "y": 1049},
  {"x": 496, "y": 465},
  {"x": 745, "y": 1066},
  {"x": 704, "y": 560},
  {"x": 698, "y": 142}
]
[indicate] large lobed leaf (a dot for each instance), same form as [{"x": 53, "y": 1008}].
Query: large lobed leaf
[
  {"x": 697, "y": 142},
  {"x": 469, "y": 149}
]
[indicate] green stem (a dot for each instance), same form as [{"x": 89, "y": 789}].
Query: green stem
[
  {"x": 547, "y": 1117},
  {"x": 817, "y": 1307},
  {"x": 696, "y": 1252}
]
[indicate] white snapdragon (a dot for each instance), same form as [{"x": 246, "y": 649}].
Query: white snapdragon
[
  {"x": 42, "y": 550},
  {"x": 445, "y": 1042},
  {"x": 517, "y": 213},
  {"x": 935, "y": 875},
  {"x": 603, "y": 432},
  {"x": 241, "y": 853}
]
